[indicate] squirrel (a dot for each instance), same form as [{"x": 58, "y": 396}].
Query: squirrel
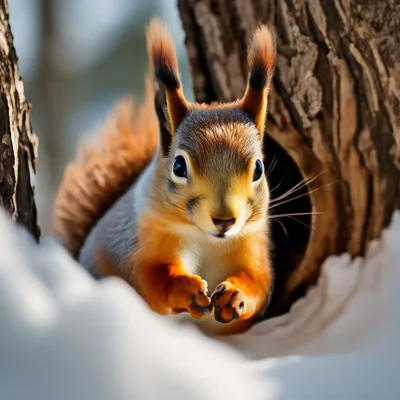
[{"x": 190, "y": 234}]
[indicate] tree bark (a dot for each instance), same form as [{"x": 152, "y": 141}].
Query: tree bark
[
  {"x": 18, "y": 143},
  {"x": 334, "y": 116}
]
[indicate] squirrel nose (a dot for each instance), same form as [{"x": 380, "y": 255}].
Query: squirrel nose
[{"x": 223, "y": 225}]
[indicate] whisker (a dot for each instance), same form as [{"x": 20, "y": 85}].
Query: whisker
[
  {"x": 269, "y": 166},
  {"x": 272, "y": 165},
  {"x": 282, "y": 225},
  {"x": 276, "y": 187},
  {"x": 291, "y": 199},
  {"x": 290, "y": 215},
  {"x": 300, "y": 185},
  {"x": 297, "y": 187},
  {"x": 303, "y": 223},
  {"x": 301, "y": 195}
]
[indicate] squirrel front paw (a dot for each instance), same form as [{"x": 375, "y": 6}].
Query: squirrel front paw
[
  {"x": 189, "y": 293},
  {"x": 229, "y": 302}
]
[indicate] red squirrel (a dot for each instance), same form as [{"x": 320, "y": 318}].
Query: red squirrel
[{"x": 190, "y": 234}]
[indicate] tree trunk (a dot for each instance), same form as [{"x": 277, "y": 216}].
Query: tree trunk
[
  {"x": 334, "y": 117},
  {"x": 18, "y": 143}
]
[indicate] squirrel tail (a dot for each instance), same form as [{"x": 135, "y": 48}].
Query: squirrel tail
[{"x": 104, "y": 169}]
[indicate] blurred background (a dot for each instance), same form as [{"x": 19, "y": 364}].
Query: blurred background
[{"x": 77, "y": 59}]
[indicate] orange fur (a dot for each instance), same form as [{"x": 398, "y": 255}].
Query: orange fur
[
  {"x": 177, "y": 107},
  {"x": 104, "y": 169},
  {"x": 158, "y": 275}
]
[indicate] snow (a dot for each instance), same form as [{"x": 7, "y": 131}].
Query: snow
[
  {"x": 342, "y": 340},
  {"x": 64, "y": 335}
]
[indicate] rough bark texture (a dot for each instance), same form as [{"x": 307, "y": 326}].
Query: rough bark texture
[
  {"x": 334, "y": 110},
  {"x": 18, "y": 143}
]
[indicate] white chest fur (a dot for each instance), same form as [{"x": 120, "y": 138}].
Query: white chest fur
[{"x": 205, "y": 257}]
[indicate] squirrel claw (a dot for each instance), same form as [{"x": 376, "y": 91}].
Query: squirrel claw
[
  {"x": 218, "y": 292},
  {"x": 189, "y": 293},
  {"x": 203, "y": 309},
  {"x": 229, "y": 303},
  {"x": 219, "y": 314}
]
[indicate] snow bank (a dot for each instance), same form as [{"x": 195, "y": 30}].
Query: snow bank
[
  {"x": 65, "y": 336},
  {"x": 342, "y": 341}
]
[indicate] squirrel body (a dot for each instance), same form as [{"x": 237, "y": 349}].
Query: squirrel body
[
  {"x": 191, "y": 232},
  {"x": 114, "y": 234}
]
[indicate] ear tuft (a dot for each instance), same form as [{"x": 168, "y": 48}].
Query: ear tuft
[
  {"x": 258, "y": 78},
  {"x": 261, "y": 60},
  {"x": 161, "y": 51}
]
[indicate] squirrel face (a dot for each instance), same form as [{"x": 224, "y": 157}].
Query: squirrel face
[
  {"x": 211, "y": 165},
  {"x": 215, "y": 174}
]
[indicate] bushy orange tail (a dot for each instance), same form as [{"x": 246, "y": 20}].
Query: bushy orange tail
[{"x": 104, "y": 169}]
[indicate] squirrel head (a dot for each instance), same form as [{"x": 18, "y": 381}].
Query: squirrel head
[{"x": 212, "y": 174}]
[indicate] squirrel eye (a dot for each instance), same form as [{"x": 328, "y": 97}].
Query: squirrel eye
[
  {"x": 180, "y": 168},
  {"x": 258, "y": 171}
]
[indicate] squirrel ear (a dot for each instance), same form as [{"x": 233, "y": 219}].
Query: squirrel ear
[
  {"x": 261, "y": 60},
  {"x": 161, "y": 51}
]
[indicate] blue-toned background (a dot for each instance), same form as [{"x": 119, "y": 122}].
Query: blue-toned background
[{"x": 77, "y": 58}]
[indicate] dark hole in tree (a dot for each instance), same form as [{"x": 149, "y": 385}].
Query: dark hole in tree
[{"x": 290, "y": 234}]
